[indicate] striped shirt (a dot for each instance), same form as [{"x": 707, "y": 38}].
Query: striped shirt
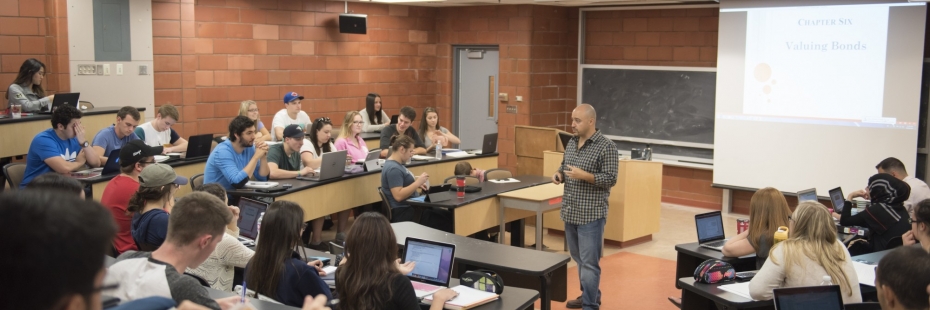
[{"x": 585, "y": 202}]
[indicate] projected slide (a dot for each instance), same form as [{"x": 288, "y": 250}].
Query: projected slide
[{"x": 816, "y": 62}]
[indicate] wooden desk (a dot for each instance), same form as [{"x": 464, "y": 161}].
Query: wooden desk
[
  {"x": 184, "y": 168},
  {"x": 537, "y": 199},
  {"x": 27, "y": 127},
  {"x": 690, "y": 255}
]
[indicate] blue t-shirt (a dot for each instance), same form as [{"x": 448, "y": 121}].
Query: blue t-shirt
[
  {"x": 108, "y": 140},
  {"x": 393, "y": 174},
  {"x": 46, "y": 145},
  {"x": 150, "y": 227},
  {"x": 225, "y": 166}
]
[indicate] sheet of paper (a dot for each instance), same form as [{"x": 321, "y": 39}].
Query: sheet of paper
[
  {"x": 507, "y": 180},
  {"x": 330, "y": 272},
  {"x": 457, "y": 154},
  {"x": 741, "y": 289},
  {"x": 866, "y": 273}
]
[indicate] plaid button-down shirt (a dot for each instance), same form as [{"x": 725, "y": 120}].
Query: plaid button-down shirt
[{"x": 585, "y": 202}]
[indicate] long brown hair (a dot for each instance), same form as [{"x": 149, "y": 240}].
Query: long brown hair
[
  {"x": 374, "y": 117},
  {"x": 280, "y": 235},
  {"x": 768, "y": 210},
  {"x": 27, "y": 70},
  {"x": 814, "y": 236},
  {"x": 145, "y": 194},
  {"x": 314, "y": 131},
  {"x": 424, "y": 126},
  {"x": 364, "y": 281}
]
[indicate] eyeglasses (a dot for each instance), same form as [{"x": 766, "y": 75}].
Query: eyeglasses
[
  {"x": 911, "y": 220},
  {"x": 253, "y": 110},
  {"x": 358, "y": 123}
]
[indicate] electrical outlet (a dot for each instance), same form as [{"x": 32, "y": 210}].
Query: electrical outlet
[
  {"x": 519, "y": 98},
  {"x": 143, "y": 70},
  {"x": 119, "y": 69},
  {"x": 99, "y": 70},
  {"x": 512, "y": 109},
  {"x": 106, "y": 69},
  {"x": 87, "y": 69}
]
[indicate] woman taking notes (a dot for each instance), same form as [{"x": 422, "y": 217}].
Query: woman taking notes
[
  {"x": 27, "y": 90},
  {"x": 249, "y": 109},
  {"x": 350, "y": 139},
  {"x": 430, "y": 131},
  {"x": 768, "y": 210},
  {"x": 809, "y": 256},
  {"x": 373, "y": 114},
  {"x": 320, "y": 134},
  {"x": 372, "y": 277}
]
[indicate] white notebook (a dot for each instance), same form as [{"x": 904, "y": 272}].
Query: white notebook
[{"x": 467, "y": 298}]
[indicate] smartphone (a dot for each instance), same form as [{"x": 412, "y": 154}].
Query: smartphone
[
  {"x": 562, "y": 173},
  {"x": 745, "y": 275}
]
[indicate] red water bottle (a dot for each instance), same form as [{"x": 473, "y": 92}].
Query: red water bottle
[
  {"x": 460, "y": 186},
  {"x": 742, "y": 225}
]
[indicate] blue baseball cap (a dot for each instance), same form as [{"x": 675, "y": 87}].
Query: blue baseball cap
[{"x": 288, "y": 97}]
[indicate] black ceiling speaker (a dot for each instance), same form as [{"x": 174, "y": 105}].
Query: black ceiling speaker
[{"x": 353, "y": 23}]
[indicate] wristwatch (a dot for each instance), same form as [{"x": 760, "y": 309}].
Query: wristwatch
[{"x": 86, "y": 143}]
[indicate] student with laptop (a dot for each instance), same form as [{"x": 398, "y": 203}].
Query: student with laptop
[
  {"x": 284, "y": 158},
  {"x": 350, "y": 138},
  {"x": 133, "y": 157},
  {"x": 373, "y": 114},
  {"x": 320, "y": 137},
  {"x": 250, "y": 109},
  {"x": 218, "y": 269},
  {"x": 63, "y": 148},
  {"x": 277, "y": 270},
  {"x": 372, "y": 278},
  {"x": 403, "y": 128},
  {"x": 885, "y": 216},
  {"x": 768, "y": 210},
  {"x": 920, "y": 226},
  {"x": 431, "y": 131},
  {"x": 290, "y": 115},
  {"x": 919, "y": 189},
  {"x": 232, "y": 162},
  {"x": 152, "y": 203},
  {"x": 902, "y": 278},
  {"x": 809, "y": 255},
  {"x": 27, "y": 90},
  {"x": 398, "y": 184},
  {"x": 158, "y": 132},
  {"x": 117, "y": 135}
]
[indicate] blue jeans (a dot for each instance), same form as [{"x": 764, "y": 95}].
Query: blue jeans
[{"x": 584, "y": 245}]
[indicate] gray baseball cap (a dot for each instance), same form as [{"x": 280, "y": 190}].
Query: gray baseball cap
[{"x": 156, "y": 175}]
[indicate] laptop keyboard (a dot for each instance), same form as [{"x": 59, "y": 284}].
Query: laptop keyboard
[{"x": 716, "y": 244}]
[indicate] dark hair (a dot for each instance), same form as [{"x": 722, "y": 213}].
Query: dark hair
[
  {"x": 128, "y": 110},
  {"x": 891, "y": 164},
  {"x": 239, "y": 125},
  {"x": 213, "y": 189},
  {"x": 374, "y": 117},
  {"x": 423, "y": 130},
  {"x": 906, "y": 270},
  {"x": 282, "y": 223},
  {"x": 64, "y": 114},
  {"x": 197, "y": 214},
  {"x": 144, "y": 194},
  {"x": 314, "y": 129},
  {"x": 409, "y": 113},
  {"x": 364, "y": 281},
  {"x": 922, "y": 212},
  {"x": 56, "y": 244},
  {"x": 55, "y": 182},
  {"x": 463, "y": 168},
  {"x": 27, "y": 70},
  {"x": 398, "y": 141}
]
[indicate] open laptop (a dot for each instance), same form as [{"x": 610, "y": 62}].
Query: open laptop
[
  {"x": 710, "y": 230},
  {"x": 440, "y": 193},
  {"x": 825, "y": 297},
  {"x": 62, "y": 99},
  {"x": 249, "y": 212},
  {"x": 333, "y": 166},
  {"x": 807, "y": 195},
  {"x": 836, "y": 196},
  {"x": 433, "y": 264},
  {"x": 199, "y": 146},
  {"x": 394, "y": 119},
  {"x": 112, "y": 164},
  {"x": 488, "y": 145}
]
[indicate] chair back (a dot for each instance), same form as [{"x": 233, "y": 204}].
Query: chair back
[
  {"x": 14, "y": 174},
  {"x": 196, "y": 181},
  {"x": 497, "y": 174},
  {"x": 85, "y": 105},
  {"x": 469, "y": 180},
  {"x": 385, "y": 205}
]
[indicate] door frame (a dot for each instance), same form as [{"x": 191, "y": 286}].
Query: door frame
[{"x": 456, "y": 78}]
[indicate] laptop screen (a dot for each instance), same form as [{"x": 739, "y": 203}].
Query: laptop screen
[
  {"x": 827, "y": 297},
  {"x": 807, "y": 195},
  {"x": 249, "y": 211},
  {"x": 433, "y": 261},
  {"x": 836, "y": 196},
  {"x": 709, "y": 226}
]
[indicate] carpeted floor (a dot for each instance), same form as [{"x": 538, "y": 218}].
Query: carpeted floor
[{"x": 630, "y": 281}]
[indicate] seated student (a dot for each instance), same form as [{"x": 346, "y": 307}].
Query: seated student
[
  {"x": 768, "y": 210},
  {"x": 373, "y": 114},
  {"x": 284, "y": 158},
  {"x": 152, "y": 203},
  {"x": 398, "y": 184},
  {"x": 133, "y": 157},
  {"x": 902, "y": 278},
  {"x": 920, "y": 226},
  {"x": 158, "y": 132},
  {"x": 117, "y": 135},
  {"x": 350, "y": 138},
  {"x": 290, "y": 115},
  {"x": 885, "y": 216},
  {"x": 372, "y": 279},
  {"x": 276, "y": 270},
  {"x": 250, "y": 109},
  {"x": 196, "y": 227},
  {"x": 62, "y": 148},
  {"x": 431, "y": 132},
  {"x": 810, "y": 253},
  {"x": 233, "y": 161},
  {"x": 406, "y": 118},
  {"x": 26, "y": 90},
  {"x": 919, "y": 189},
  {"x": 57, "y": 183},
  {"x": 218, "y": 269},
  {"x": 465, "y": 168},
  {"x": 311, "y": 156}
]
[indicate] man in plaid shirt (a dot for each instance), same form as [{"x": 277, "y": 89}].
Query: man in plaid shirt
[{"x": 589, "y": 170}]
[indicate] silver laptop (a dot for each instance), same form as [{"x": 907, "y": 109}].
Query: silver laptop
[
  {"x": 807, "y": 195},
  {"x": 249, "y": 212},
  {"x": 824, "y": 297},
  {"x": 433, "y": 267},
  {"x": 333, "y": 166},
  {"x": 488, "y": 145},
  {"x": 710, "y": 230}
]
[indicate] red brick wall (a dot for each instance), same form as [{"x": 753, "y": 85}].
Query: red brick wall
[
  {"x": 554, "y": 66},
  {"x": 34, "y": 29}
]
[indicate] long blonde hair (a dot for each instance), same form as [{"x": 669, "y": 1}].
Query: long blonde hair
[
  {"x": 347, "y": 125},
  {"x": 244, "y": 107},
  {"x": 814, "y": 236},
  {"x": 768, "y": 209}
]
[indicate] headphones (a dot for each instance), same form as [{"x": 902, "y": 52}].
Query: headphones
[{"x": 483, "y": 280}]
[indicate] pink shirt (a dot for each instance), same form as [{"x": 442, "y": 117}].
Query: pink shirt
[{"x": 355, "y": 153}]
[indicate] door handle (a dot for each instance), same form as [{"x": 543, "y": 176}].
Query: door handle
[{"x": 491, "y": 96}]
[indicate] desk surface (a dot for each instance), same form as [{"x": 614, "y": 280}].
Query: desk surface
[
  {"x": 5, "y": 119},
  {"x": 173, "y": 164},
  {"x": 488, "y": 190},
  {"x": 486, "y": 254},
  {"x": 694, "y": 249},
  {"x": 370, "y": 136},
  {"x": 536, "y": 193}
]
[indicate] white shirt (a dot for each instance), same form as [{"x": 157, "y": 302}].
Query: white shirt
[
  {"x": 919, "y": 192},
  {"x": 367, "y": 126},
  {"x": 154, "y": 137},
  {"x": 805, "y": 272},
  {"x": 308, "y": 147},
  {"x": 281, "y": 120}
]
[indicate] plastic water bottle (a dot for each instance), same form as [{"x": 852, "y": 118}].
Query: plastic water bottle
[
  {"x": 647, "y": 154},
  {"x": 438, "y": 150},
  {"x": 826, "y": 280},
  {"x": 258, "y": 227}
]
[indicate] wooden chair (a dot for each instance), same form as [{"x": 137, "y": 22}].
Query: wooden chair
[
  {"x": 469, "y": 180},
  {"x": 196, "y": 181},
  {"x": 497, "y": 174}
]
